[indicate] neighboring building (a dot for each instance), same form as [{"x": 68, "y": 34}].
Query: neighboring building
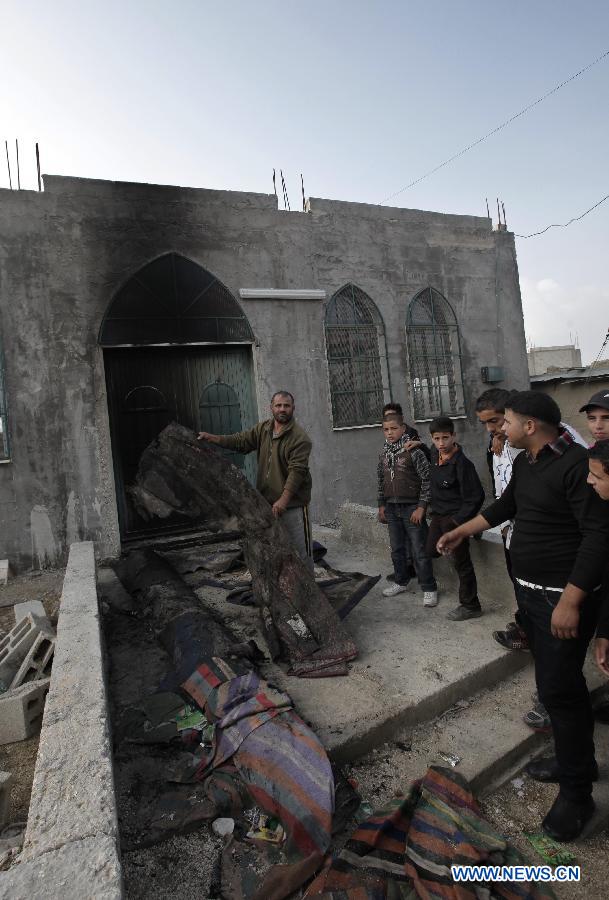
[
  {"x": 546, "y": 359},
  {"x": 124, "y": 306},
  {"x": 572, "y": 388}
]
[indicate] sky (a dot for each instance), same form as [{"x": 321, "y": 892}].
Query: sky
[{"x": 361, "y": 97}]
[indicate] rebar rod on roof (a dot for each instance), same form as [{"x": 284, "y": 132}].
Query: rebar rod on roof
[
  {"x": 38, "y": 167},
  {"x": 8, "y": 164}
]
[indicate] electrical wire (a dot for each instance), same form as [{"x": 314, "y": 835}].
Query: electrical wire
[
  {"x": 498, "y": 128},
  {"x": 563, "y": 224}
]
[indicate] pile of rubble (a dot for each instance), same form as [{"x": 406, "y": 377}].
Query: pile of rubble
[{"x": 26, "y": 657}]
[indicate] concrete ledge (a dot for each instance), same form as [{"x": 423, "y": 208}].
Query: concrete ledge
[
  {"x": 83, "y": 870},
  {"x": 73, "y": 802},
  {"x": 359, "y": 526}
]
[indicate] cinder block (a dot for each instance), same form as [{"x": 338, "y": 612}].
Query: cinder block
[
  {"x": 21, "y": 711},
  {"x": 15, "y": 646},
  {"x": 34, "y": 607},
  {"x": 6, "y": 781},
  {"x": 38, "y": 661},
  {"x": 3, "y": 571}
]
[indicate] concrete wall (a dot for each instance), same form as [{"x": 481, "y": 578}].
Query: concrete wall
[
  {"x": 571, "y": 396},
  {"x": 543, "y": 359},
  {"x": 65, "y": 252}
]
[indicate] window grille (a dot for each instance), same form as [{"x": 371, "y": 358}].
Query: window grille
[
  {"x": 357, "y": 358},
  {"x": 173, "y": 300},
  {"x": 4, "y": 444},
  {"x": 434, "y": 354}
]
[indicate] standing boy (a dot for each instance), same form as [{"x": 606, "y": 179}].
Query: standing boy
[
  {"x": 403, "y": 495},
  {"x": 456, "y": 496},
  {"x": 412, "y": 440}
]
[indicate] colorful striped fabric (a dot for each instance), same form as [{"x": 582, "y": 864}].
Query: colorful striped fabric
[
  {"x": 282, "y": 763},
  {"x": 406, "y": 849}
]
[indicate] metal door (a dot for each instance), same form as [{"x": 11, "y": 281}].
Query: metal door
[{"x": 150, "y": 387}]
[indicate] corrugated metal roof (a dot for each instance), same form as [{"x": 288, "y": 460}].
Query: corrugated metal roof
[{"x": 567, "y": 375}]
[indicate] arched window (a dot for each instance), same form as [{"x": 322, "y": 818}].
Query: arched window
[
  {"x": 4, "y": 447},
  {"x": 357, "y": 358},
  {"x": 434, "y": 356},
  {"x": 173, "y": 300}
]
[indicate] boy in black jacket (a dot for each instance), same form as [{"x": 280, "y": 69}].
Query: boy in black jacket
[{"x": 456, "y": 496}]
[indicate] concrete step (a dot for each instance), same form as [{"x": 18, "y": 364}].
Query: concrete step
[{"x": 487, "y": 736}]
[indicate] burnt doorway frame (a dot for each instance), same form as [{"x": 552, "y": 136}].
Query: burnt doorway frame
[{"x": 174, "y": 313}]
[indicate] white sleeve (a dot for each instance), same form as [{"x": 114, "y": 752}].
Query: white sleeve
[{"x": 575, "y": 435}]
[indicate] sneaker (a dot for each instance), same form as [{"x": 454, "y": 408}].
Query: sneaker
[
  {"x": 567, "y": 818},
  {"x": 461, "y": 613},
  {"x": 394, "y": 589},
  {"x": 430, "y": 598},
  {"x": 538, "y": 719}
]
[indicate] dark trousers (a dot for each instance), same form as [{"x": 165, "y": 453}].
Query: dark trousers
[
  {"x": 561, "y": 684},
  {"x": 408, "y": 543},
  {"x": 508, "y": 565},
  {"x": 461, "y": 560}
]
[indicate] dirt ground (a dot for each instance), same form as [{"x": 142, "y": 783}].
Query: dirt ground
[
  {"x": 20, "y": 757},
  {"x": 520, "y": 806}
]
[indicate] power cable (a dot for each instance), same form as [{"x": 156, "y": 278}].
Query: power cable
[
  {"x": 563, "y": 224},
  {"x": 498, "y": 128}
]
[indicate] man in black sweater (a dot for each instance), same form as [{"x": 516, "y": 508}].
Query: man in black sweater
[{"x": 558, "y": 552}]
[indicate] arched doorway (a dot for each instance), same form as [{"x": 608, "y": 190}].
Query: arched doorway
[{"x": 177, "y": 347}]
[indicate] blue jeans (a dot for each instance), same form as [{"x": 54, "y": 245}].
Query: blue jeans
[
  {"x": 561, "y": 684},
  {"x": 408, "y": 540}
]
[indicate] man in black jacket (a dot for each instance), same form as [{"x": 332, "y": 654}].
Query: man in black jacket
[
  {"x": 598, "y": 478},
  {"x": 558, "y": 553}
]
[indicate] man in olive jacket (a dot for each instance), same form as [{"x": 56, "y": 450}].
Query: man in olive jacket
[{"x": 284, "y": 479}]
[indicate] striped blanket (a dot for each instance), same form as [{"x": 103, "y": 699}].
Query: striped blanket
[
  {"x": 279, "y": 759},
  {"x": 406, "y": 849}
]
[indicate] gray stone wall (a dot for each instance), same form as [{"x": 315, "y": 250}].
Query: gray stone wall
[{"x": 65, "y": 252}]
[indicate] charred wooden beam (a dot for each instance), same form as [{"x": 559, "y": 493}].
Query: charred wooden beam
[{"x": 178, "y": 473}]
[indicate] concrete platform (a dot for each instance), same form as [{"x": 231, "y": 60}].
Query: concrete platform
[{"x": 413, "y": 662}]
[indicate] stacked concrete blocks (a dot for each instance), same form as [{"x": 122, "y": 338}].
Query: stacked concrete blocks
[
  {"x": 29, "y": 606},
  {"x": 21, "y": 711},
  {"x": 26, "y": 651}
]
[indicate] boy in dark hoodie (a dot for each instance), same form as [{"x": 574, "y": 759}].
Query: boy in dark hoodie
[{"x": 456, "y": 496}]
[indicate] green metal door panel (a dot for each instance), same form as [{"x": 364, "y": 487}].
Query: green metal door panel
[
  {"x": 222, "y": 384},
  {"x": 220, "y": 413}
]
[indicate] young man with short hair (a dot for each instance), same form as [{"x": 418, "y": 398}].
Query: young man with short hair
[
  {"x": 558, "y": 553},
  {"x": 597, "y": 414},
  {"x": 598, "y": 479}
]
